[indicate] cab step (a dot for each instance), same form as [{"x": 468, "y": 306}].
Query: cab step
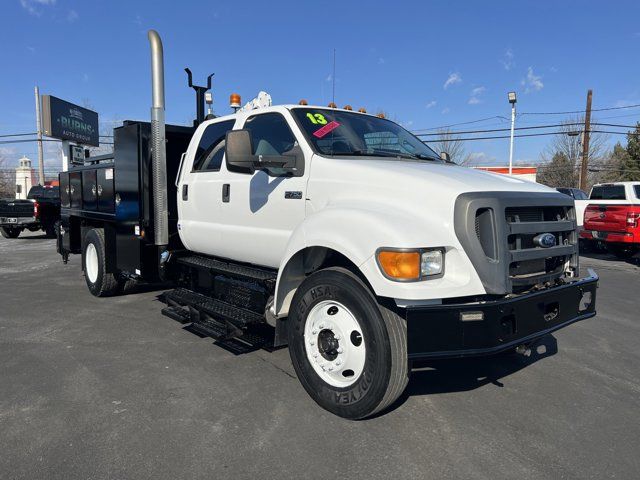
[
  {"x": 215, "y": 308},
  {"x": 256, "y": 274},
  {"x": 235, "y": 329}
]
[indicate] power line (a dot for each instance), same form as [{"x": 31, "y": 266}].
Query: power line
[
  {"x": 581, "y": 111},
  {"x": 18, "y": 135},
  {"x": 464, "y": 132},
  {"x": 524, "y": 135},
  {"x": 461, "y": 123}
]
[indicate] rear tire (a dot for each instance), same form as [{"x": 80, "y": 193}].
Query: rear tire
[
  {"x": 366, "y": 368},
  {"x": 8, "y": 232},
  {"x": 99, "y": 282}
]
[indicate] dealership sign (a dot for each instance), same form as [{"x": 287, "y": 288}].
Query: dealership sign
[{"x": 67, "y": 121}]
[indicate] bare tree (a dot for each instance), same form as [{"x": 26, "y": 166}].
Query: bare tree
[
  {"x": 448, "y": 142},
  {"x": 7, "y": 179},
  {"x": 568, "y": 143}
]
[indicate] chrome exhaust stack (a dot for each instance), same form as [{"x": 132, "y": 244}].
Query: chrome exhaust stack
[{"x": 159, "y": 149}]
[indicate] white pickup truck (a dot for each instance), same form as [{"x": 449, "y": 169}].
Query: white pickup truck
[{"x": 338, "y": 233}]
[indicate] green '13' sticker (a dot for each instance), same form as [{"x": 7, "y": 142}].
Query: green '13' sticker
[{"x": 317, "y": 118}]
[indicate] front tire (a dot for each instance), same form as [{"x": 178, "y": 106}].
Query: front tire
[
  {"x": 8, "y": 232},
  {"x": 349, "y": 352},
  {"x": 99, "y": 282}
]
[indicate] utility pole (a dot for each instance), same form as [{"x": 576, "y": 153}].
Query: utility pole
[
  {"x": 39, "y": 134},
  {"x": 585, "y": 143}
]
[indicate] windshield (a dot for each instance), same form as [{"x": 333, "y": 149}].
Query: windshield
[{"x": 343, "y": 133}]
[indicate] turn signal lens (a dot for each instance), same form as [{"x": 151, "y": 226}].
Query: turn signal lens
[{"x": 400, "y": 265}]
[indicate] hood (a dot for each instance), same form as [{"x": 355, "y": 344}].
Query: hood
[{"x": 403, "y": 186}]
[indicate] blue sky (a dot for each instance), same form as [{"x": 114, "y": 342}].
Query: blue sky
[{"x": 426, "y": 63}]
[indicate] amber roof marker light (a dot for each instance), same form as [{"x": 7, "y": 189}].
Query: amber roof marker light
[
  {"x": 235, "y": 101},
  {"x": 303, "y": 102}
]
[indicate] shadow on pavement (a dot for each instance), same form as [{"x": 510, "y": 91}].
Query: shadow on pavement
[{"x": 430, "y": 377}]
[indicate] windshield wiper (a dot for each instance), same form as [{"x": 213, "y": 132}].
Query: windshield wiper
[{"x": 383, "y": 153}]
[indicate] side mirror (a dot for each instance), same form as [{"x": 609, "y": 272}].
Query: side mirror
[
  {"x": 239, "y": 151},
  {"x": 445, "y": 157},
  {"x": 240, "y": 156}
]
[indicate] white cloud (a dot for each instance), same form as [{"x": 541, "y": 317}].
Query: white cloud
[
  {"x": 445, "y": 110},
  {"x": 452, "y": 80},
  {"x": 31, "y": 49},
  {"x": 532, "y": 82},
  {"x": 381, "y": 61},
  {"x": 329, "y": 78},
  {"x": 431, "y": 104},
  {"x": 480, "y": 158},
  {"x": 85, "y": 77},
  {"x": 72, "y": 16},
  {"x": 475, "y": 95},
  {"x": 508, "y": 59},
  {"x": 32, "y": 6}
]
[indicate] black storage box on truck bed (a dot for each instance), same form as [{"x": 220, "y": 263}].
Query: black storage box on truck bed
[{"x": 114, "y": 192}]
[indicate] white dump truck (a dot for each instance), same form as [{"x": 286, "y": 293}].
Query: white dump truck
[{"x": 334, "y": 232}]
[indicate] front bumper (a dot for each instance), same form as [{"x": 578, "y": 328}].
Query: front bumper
[
  {"x": 17, "y": 221},
  {"x": 440, "y": 331}
]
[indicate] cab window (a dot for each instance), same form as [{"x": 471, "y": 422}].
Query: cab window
[
  {"x": 608, "y": 192},
  {"x": 211, "y": 147},
  {"x": 270, "y": 135}
]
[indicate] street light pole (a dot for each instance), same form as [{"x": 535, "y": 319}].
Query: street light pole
[{"x": 512, "y": 101}]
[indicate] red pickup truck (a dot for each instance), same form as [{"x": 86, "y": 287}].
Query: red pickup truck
[{"x": 613, "y": 218}]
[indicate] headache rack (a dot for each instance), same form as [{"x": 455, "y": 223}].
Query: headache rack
[{"x": 498, "y": 232}]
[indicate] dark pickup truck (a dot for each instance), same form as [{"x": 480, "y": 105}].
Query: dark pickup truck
[{"x": 40, "y": 211}]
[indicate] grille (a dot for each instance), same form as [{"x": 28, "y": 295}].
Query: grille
[
  {"x": 497, "y": 231},
  {"x": 530, "y": 263}
]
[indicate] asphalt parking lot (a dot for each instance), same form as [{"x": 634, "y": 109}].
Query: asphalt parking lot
[{"x": 110, "y": 388}]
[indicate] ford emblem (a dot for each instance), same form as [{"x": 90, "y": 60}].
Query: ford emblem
[{"x": 545, "y": 240}]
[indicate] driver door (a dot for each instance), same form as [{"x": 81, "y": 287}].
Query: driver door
[{"x": 261, "y": 210}]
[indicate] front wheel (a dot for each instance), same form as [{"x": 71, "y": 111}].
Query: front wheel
[
  {"x": 8, "y": 232},
  {"x": 349, "y": 352},
  {"x": 99, "y": 282}
]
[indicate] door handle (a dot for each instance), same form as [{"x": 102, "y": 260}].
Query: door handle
[
  {"x": 185, "y": 192},
  {"x": 226, "y": 192}
]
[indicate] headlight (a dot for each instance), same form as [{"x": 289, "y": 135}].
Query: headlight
[
  {"x": 431, "y": 262},
  {"x": 410, "y": 265}
]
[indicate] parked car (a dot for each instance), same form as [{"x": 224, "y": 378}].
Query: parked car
[
  {"x": 613, "y": 218},
  {"x": 40, "y": 211},
  {"x": 581, "y": 200}
]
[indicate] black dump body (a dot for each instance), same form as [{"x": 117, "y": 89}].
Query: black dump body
[{"x": 115, "y": 192}]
